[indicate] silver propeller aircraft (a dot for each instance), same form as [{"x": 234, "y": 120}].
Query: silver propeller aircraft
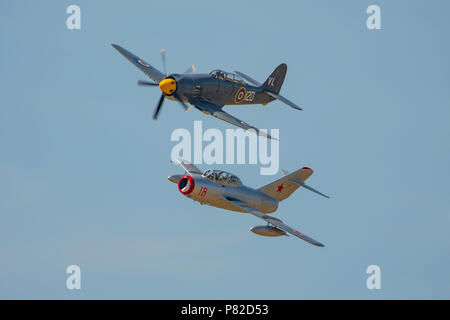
[
  {"x": 210, "y": 92},
  {"x": 224, "y": 190}
]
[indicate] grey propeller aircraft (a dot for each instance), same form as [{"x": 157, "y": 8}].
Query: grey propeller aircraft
[
  {"x": 224, "y": 190},
  {"x": 210, "y": 92}
]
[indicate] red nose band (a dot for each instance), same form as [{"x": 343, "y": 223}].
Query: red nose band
[{"x": 186, "y": 184}]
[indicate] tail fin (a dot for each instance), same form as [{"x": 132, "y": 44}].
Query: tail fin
[
  {"x": 284, "y": 187},
  {"x": 276, "y": 79}
]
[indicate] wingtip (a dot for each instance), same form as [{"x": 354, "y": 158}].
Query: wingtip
[
  {"x": 263, "y": 134},
  {"x": 118, "y": 48},
  {"x": 268, "y": 136}
]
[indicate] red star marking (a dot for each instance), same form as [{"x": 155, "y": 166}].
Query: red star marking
[{"x": 280, "y": 187}]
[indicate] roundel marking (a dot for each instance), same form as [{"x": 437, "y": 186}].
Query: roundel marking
[
  {"x": 143, "y": 63},
  {"x": 240, "y": 95}
]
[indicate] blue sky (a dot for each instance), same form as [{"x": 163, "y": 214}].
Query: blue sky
[{"x": 83, "y": 168}]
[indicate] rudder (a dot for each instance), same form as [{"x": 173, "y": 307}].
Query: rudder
[
  {"x": 284, "y": 187},
  {"x": 276, "y": 79}
]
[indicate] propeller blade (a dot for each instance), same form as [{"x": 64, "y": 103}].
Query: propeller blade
[
  {"x": 191, "y": 69},
  {"x": 177, "y": 97},
  {"x": 146, "y": 83},
  {"x": 163, "y": 58},
  {"x": 158, "y": 107}
]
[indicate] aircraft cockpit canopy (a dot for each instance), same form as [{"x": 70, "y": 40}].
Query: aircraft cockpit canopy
[
  {"x": 227, "y": 76},
  {"x": 222, "y": 177}
]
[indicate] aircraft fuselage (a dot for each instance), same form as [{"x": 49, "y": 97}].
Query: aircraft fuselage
[
  {"x": 205, "y": 191},
  {"x": 219, "y": 91}
]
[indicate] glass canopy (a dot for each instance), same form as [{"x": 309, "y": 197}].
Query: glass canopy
[
  {"x": 222, "y": 177},
  {"x": 227, "y": 76}
]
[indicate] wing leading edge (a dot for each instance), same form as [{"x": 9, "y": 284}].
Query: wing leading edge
[
  {"x": 274, "y": 221},
  {"x": 188, "y": 167},
  {"x": 146, "y": 68},
  {"x": 216, "y": 111}
]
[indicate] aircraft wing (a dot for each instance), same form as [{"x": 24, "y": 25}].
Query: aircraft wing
[
  {"x": 216, "y": 111},
  {"x": 274, "y": 221},
  {"x": 188, "y": 167},
  {"x": 150, "y": 71}
]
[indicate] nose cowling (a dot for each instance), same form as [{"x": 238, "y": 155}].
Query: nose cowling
[{"x": 168, "y": 86}]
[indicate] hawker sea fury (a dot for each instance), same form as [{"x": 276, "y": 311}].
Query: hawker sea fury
[
  {"x": 224, "y": 190},
  {"x": 210, "y": 92}
]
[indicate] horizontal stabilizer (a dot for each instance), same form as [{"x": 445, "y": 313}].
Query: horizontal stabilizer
[
  {"x": 269, "y": 86},
  {"x": 302, "y": 184},
  {"x": 282, "y": 188},
  {"x": 285, "y": 186},
  {"x": 283, "y": 99}
]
